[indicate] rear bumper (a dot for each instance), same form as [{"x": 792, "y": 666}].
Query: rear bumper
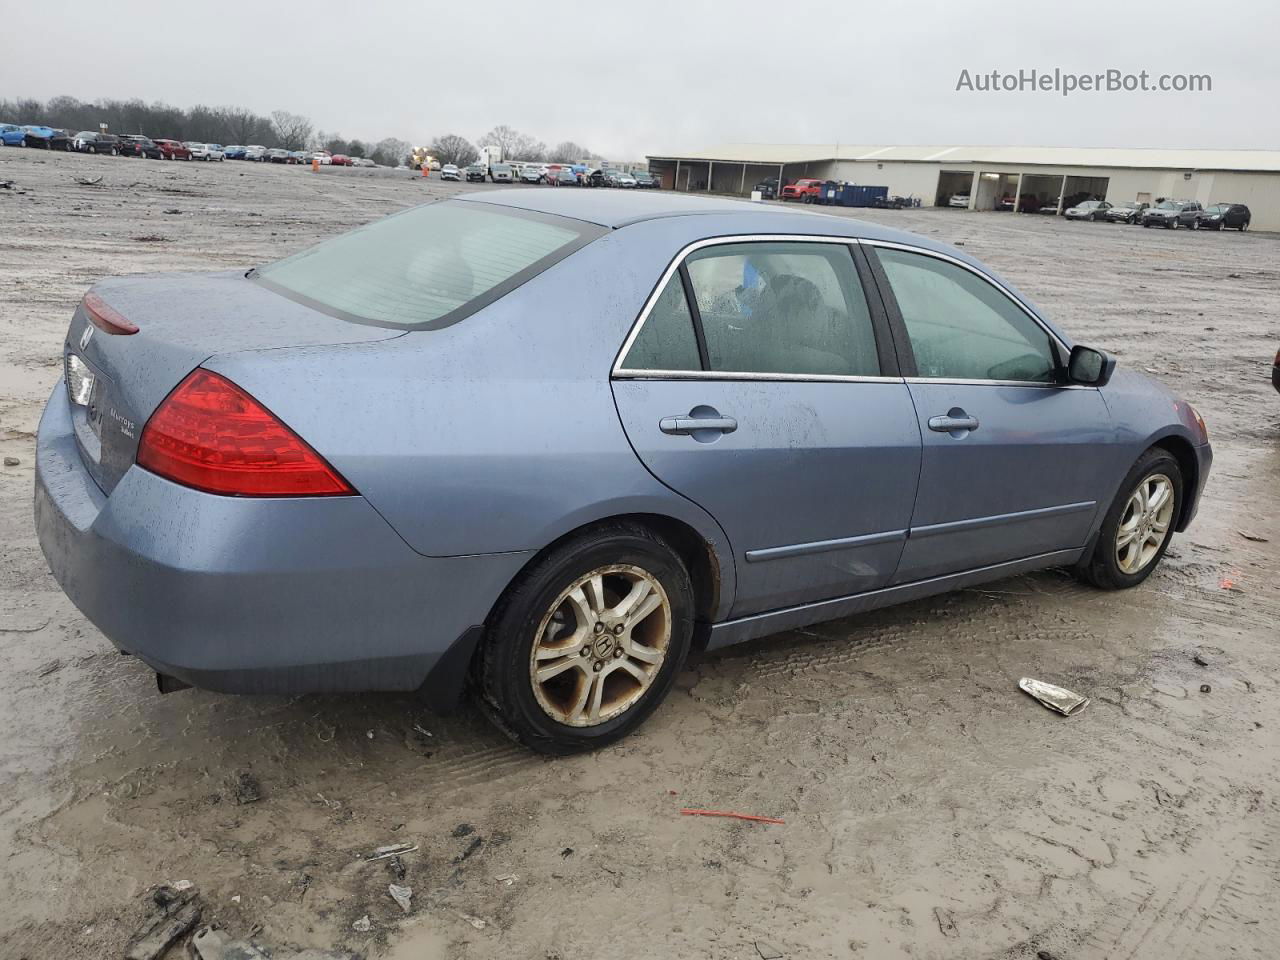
[{"x": 245, "y": 595}]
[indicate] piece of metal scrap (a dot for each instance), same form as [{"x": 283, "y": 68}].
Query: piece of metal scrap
[{"x": 1055, "y": 698}]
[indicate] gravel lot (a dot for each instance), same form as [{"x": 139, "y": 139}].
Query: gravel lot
[{"x": 932, "y": 810}]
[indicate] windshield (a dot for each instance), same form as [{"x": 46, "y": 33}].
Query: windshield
[
  {"x": 1219, "y": 208},
  {"x": 430, "y": 265},
  {"x": 1088, "y": 204},
  {"x": 1168, "y": 205}
]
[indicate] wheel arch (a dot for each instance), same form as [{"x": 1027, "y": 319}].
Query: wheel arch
[{"x": 1182, "y": 451}]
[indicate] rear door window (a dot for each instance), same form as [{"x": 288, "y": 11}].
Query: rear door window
[
  {"x": 429, "y": 266},
  {"x": 783, "y": 307}
]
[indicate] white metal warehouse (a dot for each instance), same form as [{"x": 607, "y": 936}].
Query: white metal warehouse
[{"x": 1051, "y": 175}]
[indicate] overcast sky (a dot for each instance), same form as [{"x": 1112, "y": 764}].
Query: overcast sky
[{"x": 630, "y": 78}]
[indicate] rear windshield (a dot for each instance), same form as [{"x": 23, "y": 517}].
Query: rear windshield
[{"x": 429, "y": 266}]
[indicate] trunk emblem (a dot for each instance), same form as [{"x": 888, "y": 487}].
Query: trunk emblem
[{"x": 86, "y": 336}]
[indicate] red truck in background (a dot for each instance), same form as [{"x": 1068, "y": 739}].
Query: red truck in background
[{"x": 806, "y": 190}]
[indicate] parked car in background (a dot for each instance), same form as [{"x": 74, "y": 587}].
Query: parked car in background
[
  {"x": 564, "y": 177},
  {"x": 234, "y": 152},
  {"x": 645, "y": 180},
  {"x": 279, "y": 155},
  {"x": 501, "y": 173},
  {"x": 323, "y": 157},
  {"x": 216, "y": 152},
  {"x": 340, "y": 160},
  {"x": 1275, "y": 372},
  {"x": 450, "y": 171},
  {"x": 173, "y": 150},
  {"x": 768, "y": 188},
  {"x": 255, "y": 152},
  {"x": 38, "y": 135},
  {"x": 531, "y": 174},
  {"x": 476, "y": 173},
  {"x": 298, "y": 157},
  {"x": 135, "y": 145},
  {"x": 1126, "y": 211},
  {"x": 597, "y": 178},
  {"x": 1226, "y": 216},
  {"x": 94, "y": 141},
  {"x": 12, "y": 135},
  {"x": 1172, "y": 214},
  {"x": 621, "y": 178},
  {"x": 686, "y": 482},
  {"x": 198, "y": 150},
  {"x": 362, "y": 162},
  {"x": 957, "y": 200},
  {"x": 1088, "y": 210}
]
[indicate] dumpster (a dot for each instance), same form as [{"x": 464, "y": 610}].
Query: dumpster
[{"x": 854, "y": 195}]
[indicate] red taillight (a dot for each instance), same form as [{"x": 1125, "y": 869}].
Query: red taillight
[
  {"x": 211, "y": 435},
  {"x": 106, "y": 318}
]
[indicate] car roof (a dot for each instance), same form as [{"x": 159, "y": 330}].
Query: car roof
[{"x": 617, "y": 209}]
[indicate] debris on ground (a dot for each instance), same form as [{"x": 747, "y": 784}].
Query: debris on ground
[
  {"x": 768, "y": 951},
  {"x": 1057, "y": 699},
  {"x": 1205, "y": 688},
  {"x": 1201, "y": 659},
  {"x": 396, "y": 866},
  {"x": 419, "y": 728},
  {"x": 472, "y": 847},
  {"x": 212, "y": 944},
  {"x": 150, "y": 238},
  {"x": 463, "y": 830},
  {"x": 1253, "y": 537},
  {"x": 11, "y": 461},
  {"x": 393, "y": 850},
  {"x": 87, "y": 181},
  {"x": 53, "y": 666},
  {"x": 6, "y": 184},
  {"x": 566, "y": 853},
  {"x": 507, "y": 879},
  {"x": 363, "y": 925},
  {"x": 946, "y": 922},
  {"x": 474, "y": 921},
  {"x": 402, "y": 896},
  {"x": 753, "y": 818},
  {"x": 172, "y": 210},
  {"x": 182, "y": 886},
  {"x": 247, "y": 788},
  {"x": 176, "y": 913}
]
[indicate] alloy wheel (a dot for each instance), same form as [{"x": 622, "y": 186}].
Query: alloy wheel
[
  {"x": 1145, "y": 522},
  {"x": 600, "y": 645}
]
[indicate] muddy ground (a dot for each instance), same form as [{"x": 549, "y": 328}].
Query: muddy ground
[{"x": 931, "y": 809}]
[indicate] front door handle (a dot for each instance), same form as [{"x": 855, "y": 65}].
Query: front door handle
[
  {"x": 955, "y": 421},
  {"x": 687, "y": 425}
]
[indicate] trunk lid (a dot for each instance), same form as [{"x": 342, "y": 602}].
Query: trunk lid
[{"x": 183, "y": 320}]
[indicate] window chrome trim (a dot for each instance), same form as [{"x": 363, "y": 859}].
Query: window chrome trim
[
  {"x": 617, "y": 371},
  {"x": 732, "y": 375},
  {"x": 956, "y": 381}
]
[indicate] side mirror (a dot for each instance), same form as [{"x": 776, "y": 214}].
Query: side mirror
[{"x": 1090, "y": 367}]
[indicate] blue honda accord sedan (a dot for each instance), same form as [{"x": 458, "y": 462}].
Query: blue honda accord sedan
[{"x": 545, "y": 444}]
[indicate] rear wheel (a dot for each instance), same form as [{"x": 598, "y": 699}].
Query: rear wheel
[
  {"x": 1139, "y": 525},
  {"x": 587, "y": 642}
]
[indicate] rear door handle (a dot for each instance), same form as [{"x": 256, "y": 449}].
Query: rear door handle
[
  {"x": 949, "y": 423},
  {"x": 687, "y": 425}
]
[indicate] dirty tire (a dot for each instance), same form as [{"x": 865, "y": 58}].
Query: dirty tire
[
  {"x": 1101, "y": 567},
  {"x": 503, "y": 667}
]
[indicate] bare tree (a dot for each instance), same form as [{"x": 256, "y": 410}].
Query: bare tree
[
  {"x": 292, "y": 130},
  {"x": 569, "y": 152},
  {"x": 391, "y": 152},
  {"x": 452, "y": 148},
  {"x": 514, "y": 144},
  {"x": 244, "y": 126}
]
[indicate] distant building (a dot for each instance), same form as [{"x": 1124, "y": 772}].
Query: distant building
[{"x": 1045, "y": 176}]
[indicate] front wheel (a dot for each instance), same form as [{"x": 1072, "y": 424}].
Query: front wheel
[
  {"x": 587, "y": 642},
  {"x": 1139, "y": 525}
]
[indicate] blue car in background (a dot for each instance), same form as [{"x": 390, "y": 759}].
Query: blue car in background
[
  {"x": 50, "y": 138},
  {"x": 12, "y": 135},
  {"x": 578, "y": 434},
  {"x": 233, "y": 152}
]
